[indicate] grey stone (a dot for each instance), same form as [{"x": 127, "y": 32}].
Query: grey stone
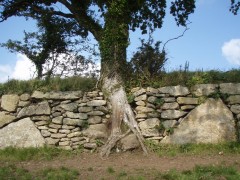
[
  {"x": 67, "y": 95},
  {"x": 235, "y": 109},
  {"x": 25, "y": 97},
  {"x": 149, "y": 123},
  {"x": 172, "y": 105},
  {"x": 90, "y": 145},
  {"x": 95, "y": 113},
  {"x": 58, "y": 120},
  {"x": 140, "y": 103},
  {"x": 152, "y": 99},
  {"x": 234, "y": 99},
  {"x": 51, "y": 141},
  {"x": 96, "y": 131},
  {"x": 144, "y": 109},
  {"x": 23, "y": 103},
  {"x": 22, "y": 133},
  {"x": 76, "y": 139},
  {"x": 56, "y": 114},
  {"x": 169, "y": 123},
  {"x": 69, "y": 107},
  {"x": 139, "y": 92},
  {"x": 58, "y": 135},
  {"x": 174, "y": 90},
  {"x": 64, "y": 131},
  {"x": 52, "y": 130},
  {"x": 141, "y": 116},
  {"x": 37, "y": 95},
  {"x": 41, "y": 123},
  {"x": 187, "y": 100},
  {"x": 67, "y": 127},
  {"x": 95, "y": 120},
  {"x": 210, "y": 122},
  {"x": 38, "y": 109},
  {"x": 74, "y": 134},
  {"x": 169, "y": 99},
  {"x": 85, "y": 109},
  {"x": 55, "y": 126},
  {"x": 64, "y": 143},
  {"x": 101, "y": 108},
  {"x": 172, "y": 114},
  {"x": 10, "y": 102},
  {"x": 230, "y": 88},
  {"x": 153, "y": 115},
  {"x": 129, "y": 142},
  {"x": 153, "y": 132},
  {"x": 76, "y": 115},
  {"x": 97, "y": 103},
  {"x": 72, "y": 122},
  {"x": 187, "y": 107},
  {"x": 141, "y": 98},
  {"x": 45, "y": 133},
  {"x": 5, "y": 118},
  {"x": 204, "y": 89},
  {"x": 152, "y": 90},
  {"x": 40, "y": 118}
]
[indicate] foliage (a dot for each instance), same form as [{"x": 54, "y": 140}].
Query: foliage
[
  {"x": 110, "y": 170},
  {"x": 108, "y": 21},
  {"x": 187, "y": 78},
  {"x": 148, "y": 61},
  {"x": 235, "y": 5},
  {"x": 53, "y": 84},
  {"x": 51, "y": 49}
]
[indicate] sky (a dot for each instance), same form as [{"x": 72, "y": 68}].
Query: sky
[{"x": 212, "y": 41}]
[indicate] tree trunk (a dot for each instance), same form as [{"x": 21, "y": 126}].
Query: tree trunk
[
  {"x": 113, "y": 44},
  {"x": 121, "y": 112}
]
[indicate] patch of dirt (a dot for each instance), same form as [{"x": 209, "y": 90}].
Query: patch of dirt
[{"x": 92, "y": 166}]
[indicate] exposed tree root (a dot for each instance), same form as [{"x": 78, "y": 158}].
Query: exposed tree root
[{"x": 121, "y": 112}]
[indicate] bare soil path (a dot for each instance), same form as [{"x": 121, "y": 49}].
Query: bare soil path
[{"x": 92, "y": 166}]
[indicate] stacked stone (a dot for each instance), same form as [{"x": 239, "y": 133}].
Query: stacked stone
[
  {"x": 233, "y": 100},
  {"x": 64, "y": 119},
  {"x": 161, "y": 107}
]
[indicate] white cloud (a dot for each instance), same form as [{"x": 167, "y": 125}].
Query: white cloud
[
  {"x": 24, "y": 68},
  {"x": 231, "y": 51},
  {"x": 5, "y": 72}
]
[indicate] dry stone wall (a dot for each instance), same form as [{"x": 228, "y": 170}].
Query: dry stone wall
[{"x": 205, "y": 113}]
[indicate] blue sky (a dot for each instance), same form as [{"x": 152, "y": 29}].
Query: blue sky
[{"x": 212, "y": 41}]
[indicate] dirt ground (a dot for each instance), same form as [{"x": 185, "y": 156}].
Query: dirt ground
[{"x": 92, "y": 166}]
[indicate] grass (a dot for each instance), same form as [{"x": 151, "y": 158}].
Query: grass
[
  {"x": 110, "y": 170},
  {"x": 26, "y": 154},
  {"x": 194, "y": 149},
  {"x": 53, "y": 84},
  {"x": 12, "y": 172},
  {"x": 202, "y": 173},
  {"x": 178, "y": 77}
]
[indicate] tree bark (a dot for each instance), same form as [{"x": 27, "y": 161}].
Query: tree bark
[{"x": 121, "y": 113}]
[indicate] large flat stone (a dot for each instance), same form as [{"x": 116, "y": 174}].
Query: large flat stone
[
  {"x": 187, "y": 100},
  {"x": 210, "y": 122},
  {"x": 67, "y": 95},
  {"x": 10, "y": 102},
  {"x": 174, "y": 90},
  {"x": 96, "y": 131},
  {"x": 22, "y": 133},
  {"x": 204, "y": 89},
  {"x": 172, "y": 114},
  {"x": 5, "y": 118},
  {"x": 230, "y": 88},
  {"x": 36, "y": 110}
]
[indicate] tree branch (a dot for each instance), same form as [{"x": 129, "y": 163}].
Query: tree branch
[{"x": 163, "y": 49}]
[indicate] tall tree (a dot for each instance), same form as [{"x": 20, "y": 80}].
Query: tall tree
[{"x": 109, "y": 21}]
